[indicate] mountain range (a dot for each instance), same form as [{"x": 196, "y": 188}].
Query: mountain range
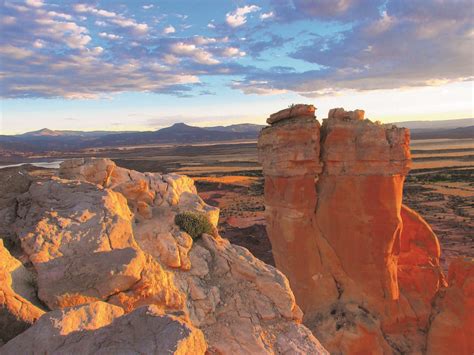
[{"x": 45, "y": 140}]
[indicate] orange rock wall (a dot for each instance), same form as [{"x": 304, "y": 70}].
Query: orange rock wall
[{"x": 363, "y": 267}]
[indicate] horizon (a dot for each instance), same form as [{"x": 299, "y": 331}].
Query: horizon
[
  {"x": 143, "y": 65},
  {"x": 211, "y": 126}
]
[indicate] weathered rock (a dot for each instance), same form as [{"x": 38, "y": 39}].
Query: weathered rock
[
  {"x": 452, "y": 324},
  {"x": 110, "y": 235},
  {"x": 100, "y": 328},
  {"x": 241, "y": 304},
  {"x": 79, "y": 238},
  {"x": 13, "y": 182},
  {"x": 293, "y": 111},
  {"x": 337, "y": 232},
  {"x": 419, "y": 272},
  {"x": 19, "y": 307},
  {"x": 143, "y": 191}
]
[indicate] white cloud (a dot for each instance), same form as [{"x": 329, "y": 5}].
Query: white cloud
[
  {"x": 110, "y": 36},
  {"x": 197, "y": 54},
  {"x": 239, "y": 16},
  {"x": 112, "y": 17},
  {"x": 14, "y": 52},
  {"x": 267, "y": 15},
  {"x": 169, "y": 29},
  {"x": 211, "y": 25},
  {"x": 232, "y": 52},
  {"x": 93, "y": 10},
  {"x": 34, "y": 3},
  {"x": 38, "y": 43},
  {"x": 60, "y": 15},
  {"x": 147, "y": 7}
]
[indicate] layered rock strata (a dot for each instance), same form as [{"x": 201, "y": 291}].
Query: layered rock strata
[
  {"x": 363, "y": 267},
  {"x": 117, "y": 274}
]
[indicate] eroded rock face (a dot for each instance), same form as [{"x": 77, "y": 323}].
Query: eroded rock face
[
  {"x": 100, "y": 328},
  {"x": 333, "y": 198},
  {"x": 19, "y": 307},
  {"x": 109, "y": 235},
  {"x": 452, "y": 324}
]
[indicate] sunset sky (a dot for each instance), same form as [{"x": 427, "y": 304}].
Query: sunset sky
[{"x": 142, "y": 65}]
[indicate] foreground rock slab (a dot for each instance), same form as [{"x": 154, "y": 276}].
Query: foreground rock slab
[
  {"x": 100, "y": 328},
  {"x": 104, "y": 247}
]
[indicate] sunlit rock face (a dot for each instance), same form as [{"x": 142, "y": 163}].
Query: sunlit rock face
[
  {"x": 452, "y": 323},
  {"x": 114, "y": 272},
  {"x": 363, "y": 267}
]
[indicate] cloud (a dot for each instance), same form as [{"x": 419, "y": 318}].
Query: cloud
[
  {"x": 199, "y": 55},
  {"x": 110, "y": 36},
  {"x": 169, "y": 29},
  {"x": 412, "y": 43},
  {"x": 349, "y": 10},
  {"x": 148, "y": 7},
  {"x": 232, "y": 52},
  {"x": 112, "y": 17},
  {"x": 267, "y": 15},
  {"x": 34, "y": 3},
  {"x": 239, "y": 16}
]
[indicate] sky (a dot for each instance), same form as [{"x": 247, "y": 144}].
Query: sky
[{"x": 143, "y": 65}]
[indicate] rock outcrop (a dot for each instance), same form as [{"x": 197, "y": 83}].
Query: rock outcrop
[
  {"x": 452, "y": 323},
  {"x": 363, "y": 267},
  {"x": 100, "y": 328},
  {"x": 19, "y": 307},
  {"x": 102, "y": 242}
]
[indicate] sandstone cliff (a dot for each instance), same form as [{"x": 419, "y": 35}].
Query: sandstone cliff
[
  {"x": 363, "y": 267},
  {"x": 110, "y": 271}
]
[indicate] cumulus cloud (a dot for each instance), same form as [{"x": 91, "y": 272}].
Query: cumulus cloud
[
  {"x": 239, "y": 16},
  {"x": 110, "y": 36},
  {"x": 199, "y": 55},
  {"x": 267, "y": 15},
  {"x": 35, "y": 3},
  {"x": 148, "y": 7},
  {"x": 169, "y": 29}
]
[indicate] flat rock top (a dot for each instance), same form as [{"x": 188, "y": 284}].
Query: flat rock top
[{"x": 300, "y": 110}]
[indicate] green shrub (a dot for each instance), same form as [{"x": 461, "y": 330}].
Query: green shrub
[{"x": 195, "y": 224}]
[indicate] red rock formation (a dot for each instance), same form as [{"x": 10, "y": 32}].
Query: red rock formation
[
  {"x": 452, "y": 325},
  {"x": 338, "y": 232}
]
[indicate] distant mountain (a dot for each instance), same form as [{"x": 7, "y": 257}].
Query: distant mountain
[
  {"x": 441, "y": 124},
  {"x": 45, "y": 132},
  {"x": 238, "y": 128},
  {"x": 180, "y": 133},
  {"x": 455, "y": 133}
]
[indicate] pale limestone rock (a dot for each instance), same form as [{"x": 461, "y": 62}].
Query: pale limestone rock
[
  {"x": 79, "y": 238},
  {"x": 100, "y": 328},
  {"x": 239, "y": 303},
  {"x": 19, "y": 307}
]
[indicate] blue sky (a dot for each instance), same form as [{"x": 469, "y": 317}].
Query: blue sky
[{"x": 147, "y": 64}]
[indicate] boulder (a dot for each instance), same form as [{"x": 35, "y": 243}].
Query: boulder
[
  {"x": 100, "y": 328},
  {"x": 80, "y": 240}
]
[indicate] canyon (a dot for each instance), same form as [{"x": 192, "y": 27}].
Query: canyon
[{"x": 92, "y": 260}]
